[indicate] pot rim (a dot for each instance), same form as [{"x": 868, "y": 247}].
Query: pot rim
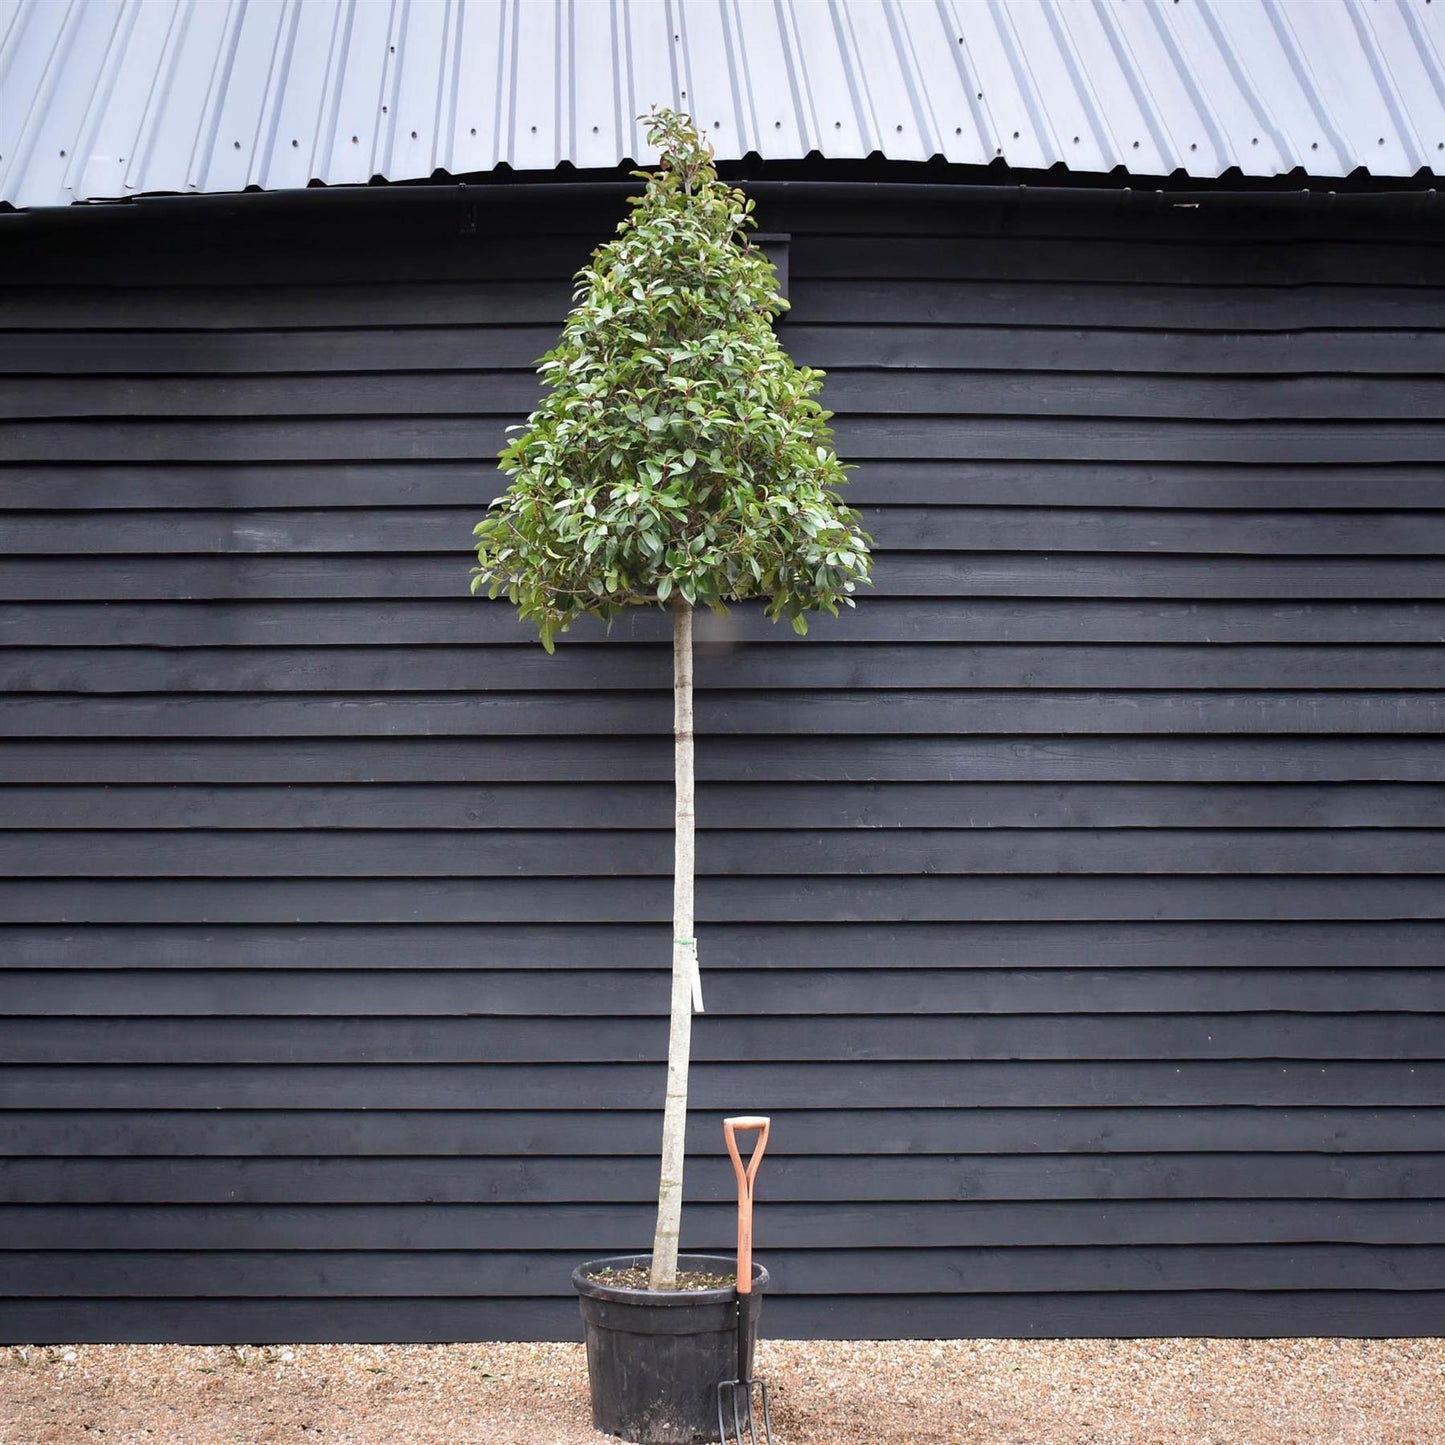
[{"x": 584, "y": 1283}]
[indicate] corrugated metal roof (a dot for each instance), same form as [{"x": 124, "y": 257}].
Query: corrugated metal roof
[{"x": 112, "y": 98}]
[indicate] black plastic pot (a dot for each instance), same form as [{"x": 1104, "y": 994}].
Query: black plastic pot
[{"x": 655, "y": 1357}]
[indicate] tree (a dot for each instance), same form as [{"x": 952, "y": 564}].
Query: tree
[{"x": 679, "y": 460}]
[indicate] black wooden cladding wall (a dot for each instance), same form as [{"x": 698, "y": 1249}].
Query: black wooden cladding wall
[{"x": 1073, "y": 906}]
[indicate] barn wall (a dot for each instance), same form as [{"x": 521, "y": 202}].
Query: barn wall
[{"x": 1071, "y": 906}]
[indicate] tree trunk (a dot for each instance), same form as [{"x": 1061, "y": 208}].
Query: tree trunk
[{"x": 686, "y": 989}]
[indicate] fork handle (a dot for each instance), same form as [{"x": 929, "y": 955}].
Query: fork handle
[{"x": 746, "y": 1175}]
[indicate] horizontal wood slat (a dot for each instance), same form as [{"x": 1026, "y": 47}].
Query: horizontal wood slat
[
  {"x": 1053, "y": 259},
  {"x": 243, "y": 1132},
  {"x": 217, "y": 305},
  {"x": 711, "y": 1227},
  {"x": 414, "y": 853},
  {"x": 822, "y": 944},
  {"x": 440, "y": 348},
  {"x": 639, "y": 992},
  {"x": 894, "y": 713},
  {"x": 943, "y": 529},
  {"x": 898, "y": 621},
  {"x": 1284, "y": 758},
  {"x": 782, "y": 807},
  {"x": 431, "y": 436},
  {"x": 465, "y": 1274},
  {"x": 780, "y": 900},
  {"x": 243, "y": 577},
  {"x": 878, "y": 1085},
  {"x": 955, "y": 481},
  {"x": 816, "y": 1178},
  {"x": 402, "y": 1040},
  {"x": 944, "y": 665},
  {"x": 859, "y": 389},
  {"x": 1119, "y": 303}
]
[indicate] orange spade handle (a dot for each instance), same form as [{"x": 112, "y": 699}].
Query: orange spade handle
[{"x": 746, "y": 1123}]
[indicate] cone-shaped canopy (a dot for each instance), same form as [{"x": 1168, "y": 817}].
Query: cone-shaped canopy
[{"x": 679, "y": 451}]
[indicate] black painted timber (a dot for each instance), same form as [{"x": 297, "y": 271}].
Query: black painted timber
[{"x": 1073, "y": 905}]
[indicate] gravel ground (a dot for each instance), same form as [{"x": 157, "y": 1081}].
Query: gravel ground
[{"x": 1004, "y": 1392}]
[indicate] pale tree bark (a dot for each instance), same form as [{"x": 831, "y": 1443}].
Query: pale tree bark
[{"x": 686, "y": 985}]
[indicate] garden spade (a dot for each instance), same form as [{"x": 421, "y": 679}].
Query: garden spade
[{"x": 735, "y": 1412}]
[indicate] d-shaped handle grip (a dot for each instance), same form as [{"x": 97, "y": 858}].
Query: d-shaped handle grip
[{"x": 746, "y": 1174}]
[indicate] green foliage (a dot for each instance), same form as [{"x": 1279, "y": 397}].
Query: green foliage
[{"x": 679, "y": 453}]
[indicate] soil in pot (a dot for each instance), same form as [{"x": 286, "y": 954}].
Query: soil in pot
[{"x": 639, "y": 1276}]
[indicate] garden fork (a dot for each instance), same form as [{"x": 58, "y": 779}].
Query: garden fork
[{"x": 735, "y": 1397}]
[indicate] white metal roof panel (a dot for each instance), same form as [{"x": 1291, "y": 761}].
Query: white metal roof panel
[{"x": 102, "y": 99}]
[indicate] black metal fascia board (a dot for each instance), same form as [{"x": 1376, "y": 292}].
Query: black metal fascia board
[{"x": 1137, "y": 199}]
